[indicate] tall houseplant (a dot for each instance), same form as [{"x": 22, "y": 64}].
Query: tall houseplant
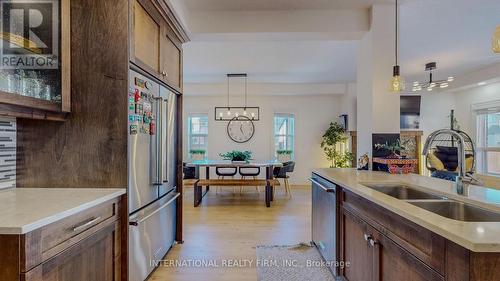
[{"x": 334, "y": 136}]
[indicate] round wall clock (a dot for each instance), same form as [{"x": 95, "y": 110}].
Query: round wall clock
[{"x": 240, "y": 129}]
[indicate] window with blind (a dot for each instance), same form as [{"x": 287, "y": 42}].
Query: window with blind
[
  {"x": 197, "y": 133},
  {"x": 284, "y": 132},
  {"x": 488, "y": 140}
]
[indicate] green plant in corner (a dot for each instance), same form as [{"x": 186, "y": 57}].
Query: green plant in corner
[
  {"x": 236, "y": 155},
  {"x": 333, "y": 136}
]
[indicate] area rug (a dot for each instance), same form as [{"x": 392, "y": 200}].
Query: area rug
[{"x": 291, "y": 263}]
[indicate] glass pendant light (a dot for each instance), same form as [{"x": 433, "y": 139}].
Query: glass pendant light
[
  {"x": 397, "y": 83},
  {"x": 495, "y": 43}
]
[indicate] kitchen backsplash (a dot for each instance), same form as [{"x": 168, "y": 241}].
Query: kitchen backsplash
[{"x": 7, "y": 152}]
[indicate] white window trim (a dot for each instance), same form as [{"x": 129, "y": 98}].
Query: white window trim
[
  {"x": 189, "y": 135},
  {"x": 481, "y": 149},
  {"x": 273, "y": 147}
]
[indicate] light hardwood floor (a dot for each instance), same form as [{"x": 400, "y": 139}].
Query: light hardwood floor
[{"x": 228, "y": 226}]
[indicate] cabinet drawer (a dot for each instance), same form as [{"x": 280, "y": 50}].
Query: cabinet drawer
[
  {"x": 96, "y": 257},
  {"x": 46, "y": 242},
  {"x": 422, "y": 243},
  {"x": 58, "y": 232}
]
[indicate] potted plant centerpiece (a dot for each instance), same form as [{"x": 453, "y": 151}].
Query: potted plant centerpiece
[
  {"x": 197, "y": 154},
  {"x": 284, "y": 155},
  {"x": 237, "y": 156},
  {"x": 396, "y": 149}
]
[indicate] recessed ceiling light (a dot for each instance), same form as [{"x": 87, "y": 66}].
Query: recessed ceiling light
[{"x": 481, "y": 83}]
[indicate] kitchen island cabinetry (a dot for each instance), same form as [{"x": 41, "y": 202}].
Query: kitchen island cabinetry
[{"x": 382, "y": 238}]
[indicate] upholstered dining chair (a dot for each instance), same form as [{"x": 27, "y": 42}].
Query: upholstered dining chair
[
  {"x": 223, "y": 172},
  {"x": 282, "y": 173},
  {"x": 249, "y": 172}
]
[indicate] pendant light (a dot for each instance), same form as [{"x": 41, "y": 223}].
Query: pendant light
[
  {"x": 432, "y": 83},
  {"x": 495, "y": 43},
  {"x": 397, "y": 82},
  {"x": 228, "y": 112}
]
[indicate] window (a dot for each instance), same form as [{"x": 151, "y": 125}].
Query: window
[
  {"x": 284, "y": 132},
  {"x": 488, "y": 142},
  {"x": 198, "y": 133}
]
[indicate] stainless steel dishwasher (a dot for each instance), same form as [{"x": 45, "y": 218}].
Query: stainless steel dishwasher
[{"x": 324, "y": 219}]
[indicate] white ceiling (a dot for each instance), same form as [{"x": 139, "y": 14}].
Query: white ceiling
[
  {"x": 271, "y": 61},
  {"x": 455, "y": 33}
]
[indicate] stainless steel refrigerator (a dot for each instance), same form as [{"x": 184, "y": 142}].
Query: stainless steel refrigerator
[{"x": 152, "y": 173}]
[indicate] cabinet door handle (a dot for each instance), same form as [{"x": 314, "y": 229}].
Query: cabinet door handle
[
  {"x": 367, "y": 237},
  {"x": 373, "y": 242},
  {"x": 83, "y": 225}
]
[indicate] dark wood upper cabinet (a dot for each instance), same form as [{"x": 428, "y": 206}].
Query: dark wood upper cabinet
[
  {"x": 35, "y": 74},
  {"x": 170, "y": 58},
  {"x": 155, "y": 46}
]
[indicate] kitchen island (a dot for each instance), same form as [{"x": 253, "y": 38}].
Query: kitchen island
[
  {"x": 63, "y": 234},
  {"x": 408, "y": 227}
]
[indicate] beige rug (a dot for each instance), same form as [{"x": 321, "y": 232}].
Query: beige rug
[{"x": 291, "y": 263}]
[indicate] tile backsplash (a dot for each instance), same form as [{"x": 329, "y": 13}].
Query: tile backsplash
[{"x": 7, "y": 152}]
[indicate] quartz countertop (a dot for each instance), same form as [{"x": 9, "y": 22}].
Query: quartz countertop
[
  {"x": 25, "y": 209},
  {"x": 475, "y": 236}
]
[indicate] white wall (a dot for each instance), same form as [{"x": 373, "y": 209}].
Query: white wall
[
  {"x": 436, "y": 107},
  {"x": 434, "y": 111},
  {"x": 466, "y": 98},
  {"x": 313, "y": 114}
]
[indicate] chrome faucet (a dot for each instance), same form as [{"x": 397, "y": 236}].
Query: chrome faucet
[{"x": 464, "y": 177}]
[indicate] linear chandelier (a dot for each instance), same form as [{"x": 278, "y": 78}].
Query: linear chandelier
[
  {"x": 228, "y": 113},
  {"x": 431, "y": 84}
]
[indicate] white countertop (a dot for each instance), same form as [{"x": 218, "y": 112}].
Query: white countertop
[
  {"x": 25, "y": 209},
  {"x": 475, "y": 236}
]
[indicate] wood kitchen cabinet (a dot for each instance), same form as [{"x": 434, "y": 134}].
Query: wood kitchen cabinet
[
  {"x": 155, "y": 47},
  {"x": 87, "y": 246},
  {"x": 36, "y": 83},
  {"x": 382, "y": 246},
  {"x": 356, "y": 249},
  {"x": 378, "y": 256}
]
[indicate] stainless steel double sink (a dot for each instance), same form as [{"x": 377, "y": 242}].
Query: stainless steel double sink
[{"x": 437, "y": 204}]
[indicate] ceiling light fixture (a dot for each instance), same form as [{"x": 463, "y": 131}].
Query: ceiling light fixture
[
  {"x": 397, "y": 83},
  {"x": 431, "y": 84},
  {"x": 495, "y": 43},
  {"x": 228, "y": 113}
]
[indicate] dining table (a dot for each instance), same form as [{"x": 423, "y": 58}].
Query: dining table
[{"x": 268, "y": 165}]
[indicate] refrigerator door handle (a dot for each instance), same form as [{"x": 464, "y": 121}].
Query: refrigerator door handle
[
  {"x": 158, "y": 144},
  {"x": 164, "y": 170},
  {"x": 144, "y": 218}
]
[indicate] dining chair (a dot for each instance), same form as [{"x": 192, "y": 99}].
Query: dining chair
[
  {"x": 249, "y": 172},
  {"x": 282, "y": 173},
  {"x": 188, "y": 172},
  {"x": 222, "y": 172}
]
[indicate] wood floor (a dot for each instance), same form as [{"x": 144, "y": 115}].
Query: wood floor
[{"x": 228, "y": 226}]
